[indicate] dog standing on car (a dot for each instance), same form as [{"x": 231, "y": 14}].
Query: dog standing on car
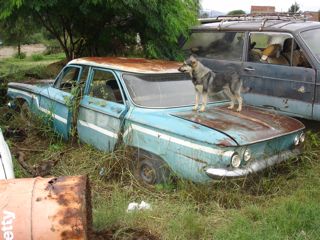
[{"x": 208, "y": 82}]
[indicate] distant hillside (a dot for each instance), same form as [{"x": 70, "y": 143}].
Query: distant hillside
[{"x": 204, "y": 13}]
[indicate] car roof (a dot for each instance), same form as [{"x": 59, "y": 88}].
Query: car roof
[
  {"x": 135, "y": 65},
  {"x": 258, "y": 25}
]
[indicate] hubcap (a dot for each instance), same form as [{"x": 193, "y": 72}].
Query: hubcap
[{"x": 147, "y": 173}]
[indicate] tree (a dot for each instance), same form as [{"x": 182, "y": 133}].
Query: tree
[
  {"x": 15, "y": 30},
  {"x": 294, "y": 8},
  {"x": 236, "y": 12},
  {"x": 99, "y": 27},
  {"x": 204, "y": 15}
]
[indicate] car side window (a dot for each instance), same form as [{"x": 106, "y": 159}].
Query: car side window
[
  {"x": 216, "y": 45},
  {"x": 67, "y": 78},
  {"x": 275, "y": 48},
  {"x": 104, "y": 86},
  {"x": 84, "y": 74}
]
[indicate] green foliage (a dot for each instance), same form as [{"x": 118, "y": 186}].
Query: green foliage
[
  {"x": 294, "y": 8},
  {"x": 97, "y": 27},
  {"x": 236, "y": 12},
  {"x": 16, "y": 30},
  {"x": 52, "y": 47},
  {"x": 18, "y": 70},
  {"x": 36, "y": 57},
  {"x": 20, "y": 55}
]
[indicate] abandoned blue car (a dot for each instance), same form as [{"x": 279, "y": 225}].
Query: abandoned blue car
[{"x": 147, "y": 106}]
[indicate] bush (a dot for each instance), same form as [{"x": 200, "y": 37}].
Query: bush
[
  {"x": 35, "y": 38},
  {"x": 20, "y": 56},
  {"x": 53, "y": 47},
  {"x": 36, "y": 57}
]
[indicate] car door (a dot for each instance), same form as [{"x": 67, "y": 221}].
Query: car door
[
  {"x": 102, "y": 110},
  {"x": 56, "y": 100},
  {"x": 276, "y": 77}
]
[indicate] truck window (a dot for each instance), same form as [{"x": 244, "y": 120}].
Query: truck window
[
  {"x": 216, "y": 45},
  {"x": 275, "y": 48}
]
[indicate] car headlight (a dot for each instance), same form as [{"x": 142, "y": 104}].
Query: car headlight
[
  {"x": 296, "y": 140},
  {"x": 235, "y": 160},
  {"x": 302, "y": 137},
  {"x": 247, "y": 155}
]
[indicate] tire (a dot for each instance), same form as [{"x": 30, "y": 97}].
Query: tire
[{"x": 150, "y": 169}]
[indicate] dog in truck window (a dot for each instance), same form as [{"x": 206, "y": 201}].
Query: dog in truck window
[{"x": 207, "y": 82}]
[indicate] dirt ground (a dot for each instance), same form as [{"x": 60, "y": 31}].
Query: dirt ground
[{"x": 6, "y": 52}]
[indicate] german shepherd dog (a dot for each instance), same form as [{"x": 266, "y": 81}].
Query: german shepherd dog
[{"x": 208, "y": 82}]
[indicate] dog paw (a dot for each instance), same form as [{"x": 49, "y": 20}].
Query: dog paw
[
  {"x": 194, "y": 108},
  {"x": 239, "y": 109},
  {"x": 202, "y": 109},
  {"x": 230, "y": 107}
]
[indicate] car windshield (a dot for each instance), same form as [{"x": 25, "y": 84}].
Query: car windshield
[
  {"x": 312, "y": 39},
  {"x": 163, "y": 90}
]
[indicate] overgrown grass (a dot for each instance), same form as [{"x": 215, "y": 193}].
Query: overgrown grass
[
  {"x": 281, "y": 203},
  {"x": 37, "y": 57},
  {"x": 13, "y": 69}
]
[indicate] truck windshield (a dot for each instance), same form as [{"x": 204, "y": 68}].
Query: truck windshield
[
  {"x": 312, "y": 39},
  {"x": 163, "y": 90},
  {"x": 216, "y": 45}
]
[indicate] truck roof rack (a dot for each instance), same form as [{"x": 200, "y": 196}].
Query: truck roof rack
[{"x": 264, "y": 17}]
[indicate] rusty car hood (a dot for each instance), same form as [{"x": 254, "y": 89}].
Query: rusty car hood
[{"x": 249, "y": 126}]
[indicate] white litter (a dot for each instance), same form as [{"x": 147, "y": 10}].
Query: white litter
[{"x": 136, "y": 206}]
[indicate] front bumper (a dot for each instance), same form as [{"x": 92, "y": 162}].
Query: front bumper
[{"x": 253, "y": 167}]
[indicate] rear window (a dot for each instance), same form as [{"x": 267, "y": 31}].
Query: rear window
[{"x": 163, "y": 90}]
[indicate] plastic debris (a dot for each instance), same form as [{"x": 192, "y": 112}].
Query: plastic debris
[
  {"x": 102, "y": 171},
  {"x": 144, "y": 205},
  {"x": 136, "y": 206}
]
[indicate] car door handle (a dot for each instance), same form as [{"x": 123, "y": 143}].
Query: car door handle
[
  {"x": 269, "y": 107},
  {"x": 249, "y": 69}
]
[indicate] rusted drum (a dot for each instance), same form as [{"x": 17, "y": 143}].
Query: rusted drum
[{"x": 45, "y": 208}]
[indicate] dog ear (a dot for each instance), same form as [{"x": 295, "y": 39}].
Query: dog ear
[{"x": 193, "y": 59}]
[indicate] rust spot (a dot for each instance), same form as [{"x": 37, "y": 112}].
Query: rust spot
[
  {"x": 72, "y": 234},
  {"x": 227, "y": 142},
  {"x": 63, "y": 200},
  {"x": 132, "y": 64},
  {"x": 69, "y": 215},
  {"x": 38, "y": 199},
  {"x": 74, "y": 218}
]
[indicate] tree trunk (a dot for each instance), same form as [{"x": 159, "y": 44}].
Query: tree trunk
[{"x": 19, "y": 49}]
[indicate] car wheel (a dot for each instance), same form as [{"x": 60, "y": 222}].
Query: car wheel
[{"x": 150, "y": 168}]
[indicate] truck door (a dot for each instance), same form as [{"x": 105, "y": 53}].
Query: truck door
[{"x": 278, "y": 74}]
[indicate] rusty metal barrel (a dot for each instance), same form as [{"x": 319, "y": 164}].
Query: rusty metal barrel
[{"x": 45, "y": 208}]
